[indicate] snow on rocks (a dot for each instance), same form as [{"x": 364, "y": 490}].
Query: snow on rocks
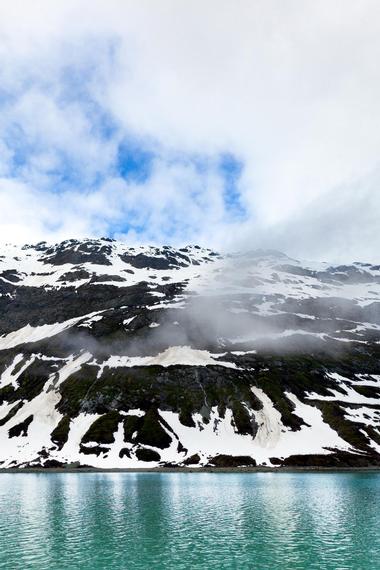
[
  {"x": 287, "y": 300},
  {"x": 45, "y": 417},
  {"x": 70, "y": 452},
  {"x": 364, "y": 415},
  {"x": 9, "y": 376},
  {"x": 350, "y": 395},
  {"x": 219, "y": 436},
  {"x": 172, "y": 356},
  {"x": 30, "y": 334}
]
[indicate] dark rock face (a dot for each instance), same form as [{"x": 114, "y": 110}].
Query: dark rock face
[
  {"x": 180, "y": 388},
  {"x": 147, "y": 455},
  {"x": 10, "y": 275},
  {"x": 76, "y": 253},
  {"x": 60, "y": 434},
  {"x": 73, "y": 276},
  {"x": 124, "y": 452},
  {"x": 95, "y": 450},
  {"x": 150, "y": 430},
  {"x": 21, "y": 429},
  {"x": 335, "y": 460},
  {"x": 141, "y": 261},
  {"x": 53, "y": 464},
  {"x": 192, "y": 460},
  {"x": 102, "y": 429},
  {"x": 232, "y": 461},
  {"x": 124, "y": 355}
]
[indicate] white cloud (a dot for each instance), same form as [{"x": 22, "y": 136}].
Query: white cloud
[{"x": 290, "y": 88}]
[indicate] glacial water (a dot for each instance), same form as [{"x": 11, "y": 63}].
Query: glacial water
[{"x": 190, "y": 521}]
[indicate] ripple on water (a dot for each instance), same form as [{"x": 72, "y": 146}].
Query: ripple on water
[{"x": 198, "y": 521}]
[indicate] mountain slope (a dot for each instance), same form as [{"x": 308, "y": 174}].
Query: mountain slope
[{"x": 113, "y": 356}]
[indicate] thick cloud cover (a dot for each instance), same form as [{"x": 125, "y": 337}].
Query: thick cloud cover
[{"x": 234, "y": 124}]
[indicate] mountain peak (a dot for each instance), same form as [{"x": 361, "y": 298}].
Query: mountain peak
[{"x": 122, "y": 356}]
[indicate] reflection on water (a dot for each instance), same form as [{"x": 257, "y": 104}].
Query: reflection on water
[{"x": 190, "y": 521}]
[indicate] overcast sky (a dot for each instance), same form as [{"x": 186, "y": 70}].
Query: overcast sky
[{"x": 230, "y": 123}]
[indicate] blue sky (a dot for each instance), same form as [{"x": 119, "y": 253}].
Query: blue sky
[{"x": 230, "y": 124}]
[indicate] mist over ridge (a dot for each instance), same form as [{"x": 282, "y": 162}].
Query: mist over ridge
[{"x": 122, "y": 356}]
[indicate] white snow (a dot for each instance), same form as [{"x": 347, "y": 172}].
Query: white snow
[
  {"x": 243, "y": 352},
  {"x": 73, "y": 365},
  {"x": 78, "y": 427},
  {"x": 349, "y": 397},
  {"x": 174, "y": 355},
  {"x": 29, "y": 334},
  {"x": 45, "y": 419},
  {"x": 8, "y": 377},
  {"x": 363, "y": 415},
  {"x": 272, "y": 439},
  {"x": 268, "y": 420},
  {"x": 88, "y": 322}
]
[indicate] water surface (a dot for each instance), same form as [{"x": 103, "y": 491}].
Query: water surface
[{"x": 190, "y": 521}]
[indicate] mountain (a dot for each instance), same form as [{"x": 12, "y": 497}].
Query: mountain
[{"x": 115, "y": 356}]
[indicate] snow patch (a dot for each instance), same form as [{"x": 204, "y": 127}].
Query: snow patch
[
  {"x": 174, "y": 355},
  {"x": 29, "y": 334}
]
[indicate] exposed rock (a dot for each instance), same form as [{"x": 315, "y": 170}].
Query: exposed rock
[
  {"x": 21, "y": 429},
  {"x": 192, "y": 460},
  {"x": 144, "y": 454},
  {"x": 108, "y": 351},
  {"x": 232, "y": 461}
]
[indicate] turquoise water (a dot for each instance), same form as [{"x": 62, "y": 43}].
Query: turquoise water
[{"x": 190, "y": 521}]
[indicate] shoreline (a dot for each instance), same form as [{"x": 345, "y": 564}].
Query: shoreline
[{"x": 160, "y": 470}]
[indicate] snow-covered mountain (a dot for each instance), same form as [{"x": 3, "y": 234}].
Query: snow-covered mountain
[{"x": 114, "y": 356}]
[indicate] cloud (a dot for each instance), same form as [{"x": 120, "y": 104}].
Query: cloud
[
  {"x": 338, "y": 226},
  {"x": 117, "y": 116}
]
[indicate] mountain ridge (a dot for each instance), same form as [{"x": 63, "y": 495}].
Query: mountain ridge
[{"x": 126, "y": 357}]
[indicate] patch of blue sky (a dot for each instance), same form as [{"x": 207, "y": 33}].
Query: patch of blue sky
[
  {"x": 123, "y": 227},
  {"x": 134, "y": 161},
  {"x": 231, "y": 169}
]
